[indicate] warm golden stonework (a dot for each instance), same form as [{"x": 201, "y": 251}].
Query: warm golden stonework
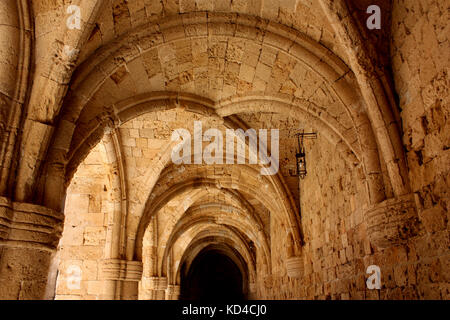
[{"x": 93, "y": 206}]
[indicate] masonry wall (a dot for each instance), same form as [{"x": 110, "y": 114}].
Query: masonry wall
[
  {"x": 278, "y": 285},
  {"x": 84, "y": 236},
  {"x": 420, "y": 53},
  {"x": 333, "y": 200},
  {"x": 337, "y": 250}
]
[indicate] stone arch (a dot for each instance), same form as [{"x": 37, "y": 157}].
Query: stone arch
[
  {"x": 184, "y": 188},
  {"x": 92, "y": 220},
  {"x": 376, "y": 187},
  {"x": 117, "y": 226},
  {"x": 157, "y": 101},
  {"x": 16, "y": 51},
  {"x": 191, "y": 219},
  {"x": 377, "y": 94},
  {"x": 137, "y": 106},
  {"x": 311, "y": 54},
  {"x": 51, "y": 75},
  {"x": 323, "y": 69},
  {"x": 218, "y": 235},
  {"x": 211, "y": 243}
]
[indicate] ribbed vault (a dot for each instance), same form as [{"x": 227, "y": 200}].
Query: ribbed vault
[{"x": 86, "y": 121}]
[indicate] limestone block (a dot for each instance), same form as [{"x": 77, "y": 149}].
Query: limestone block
[
  {"x": 94, "y": 236},
  {"x": 94, "y": 287}
]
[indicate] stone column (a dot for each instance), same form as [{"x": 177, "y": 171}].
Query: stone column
[
  {"x": 173, "y": 292},
  {"x": 153, "y": 288},
  {"x": 252, "y": 292},
  {"x": 29, "y": 235},
  {"x": 121, "y": 279},
  {"x": 392, "y": 221}
]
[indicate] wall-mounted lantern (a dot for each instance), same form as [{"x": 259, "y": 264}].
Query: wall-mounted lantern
[{"x": 300, "y": 155}]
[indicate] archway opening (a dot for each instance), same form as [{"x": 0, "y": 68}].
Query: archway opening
[{"x": 212, "y": 276}]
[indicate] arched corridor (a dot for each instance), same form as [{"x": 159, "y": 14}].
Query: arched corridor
[
  {"x": 212, "y": 276},
  {"x": 153, "y": 149}
]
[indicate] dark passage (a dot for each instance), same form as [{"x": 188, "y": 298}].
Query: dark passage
[{"x": 212, "y": 277}]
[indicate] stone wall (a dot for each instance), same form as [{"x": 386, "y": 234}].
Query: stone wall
[
  {"x": 84, "y": 236},
  {"x": 333, "y": 203},
  {"x": 420, "y": 53},
  {"x": 337, "y": 249}
]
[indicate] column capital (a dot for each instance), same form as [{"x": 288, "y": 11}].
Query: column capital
[
  {"x": 294, "y": 267},
  {"x": 124, "y": 270},
  {"x": 26, "y": 225},
  {"x": 392, "y": 221},
  {"x": 158, "y": 283}
]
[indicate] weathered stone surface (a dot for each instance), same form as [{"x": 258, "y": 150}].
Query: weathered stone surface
[
  {"x": 86, "y": 130},
  {"x": 392, "y": 222}
]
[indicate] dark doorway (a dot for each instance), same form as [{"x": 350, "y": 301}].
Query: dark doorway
[{"x": 212, "y": 277}]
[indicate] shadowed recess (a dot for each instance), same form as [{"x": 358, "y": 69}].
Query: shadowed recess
[{"x": 212, "y": 276}]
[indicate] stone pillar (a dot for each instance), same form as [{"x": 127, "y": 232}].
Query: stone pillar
[
  {"x": 392, "y": 221},
  {"x": 252, "y": 292},
  {"x": 29, "y": 235},
  {"x": 173, "y": 292},
  {"x": 121, "y": 279},
  {"x": 153, "y": 288}
]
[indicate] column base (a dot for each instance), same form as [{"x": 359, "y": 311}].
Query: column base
[
  {"x": 153, "y": 288},
  {"x": 173, "y": 292}
]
